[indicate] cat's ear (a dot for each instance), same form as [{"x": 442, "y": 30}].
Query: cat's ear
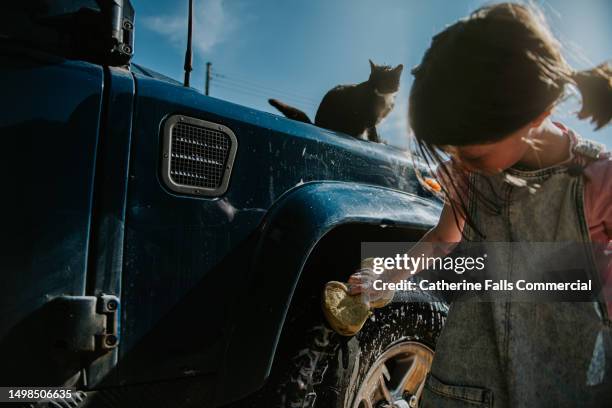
[
  {"x": 372, "y": 65},
  {"x": 398, "y": 69}
]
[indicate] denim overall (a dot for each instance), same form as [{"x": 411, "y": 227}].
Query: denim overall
[{"x": 512, "y": 354}]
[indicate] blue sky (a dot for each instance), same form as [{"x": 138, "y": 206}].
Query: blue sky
[{"x": 296, "y": 50}]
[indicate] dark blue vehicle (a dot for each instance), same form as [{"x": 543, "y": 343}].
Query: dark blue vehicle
[{"x": 165, "y": 248}]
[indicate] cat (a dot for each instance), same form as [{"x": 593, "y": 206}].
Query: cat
[{"x": 354, "y": 109}]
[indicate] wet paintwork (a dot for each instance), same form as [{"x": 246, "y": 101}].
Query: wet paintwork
[
  {"x": 49, "y": 125},
  {"x": 184, "y": 267},
  {"x": 183, "y": 252}
]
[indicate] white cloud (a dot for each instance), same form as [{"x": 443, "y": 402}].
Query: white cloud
[{"x": 211, "y": 26}]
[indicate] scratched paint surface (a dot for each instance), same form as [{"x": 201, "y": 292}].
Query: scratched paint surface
[{"x": 182, "y": 251}]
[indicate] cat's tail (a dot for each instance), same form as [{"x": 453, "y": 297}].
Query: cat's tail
[{"x": 289, "y": 111}]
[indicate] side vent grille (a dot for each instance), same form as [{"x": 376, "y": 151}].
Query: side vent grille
[{"x": 198, "y": 156}]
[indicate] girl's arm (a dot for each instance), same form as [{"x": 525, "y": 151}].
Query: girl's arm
[{"x": 445, "y": 232}]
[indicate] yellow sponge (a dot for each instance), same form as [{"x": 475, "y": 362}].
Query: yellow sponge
[{"x": 346, "y": 314}]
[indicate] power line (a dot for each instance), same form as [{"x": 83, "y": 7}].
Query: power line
[
  {"x": 251, "y": 88},
  {"x": 259, "y": 98},
  {"x": 266, "y": 92},
  {"x": 257, "y": 83},
  {"x": 264, "y": 87},
  {"x": 248, "y": 92},
  {"x": 241, "y": 95},
  {"x": 259, "y": 93}
]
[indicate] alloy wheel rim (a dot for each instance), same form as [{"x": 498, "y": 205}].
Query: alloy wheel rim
[{"x": 396, "y": 378}]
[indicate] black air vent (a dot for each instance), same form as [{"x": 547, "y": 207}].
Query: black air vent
[{"x": 198, "y": 156}]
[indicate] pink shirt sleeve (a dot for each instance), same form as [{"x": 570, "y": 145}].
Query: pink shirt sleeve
[
  {"x": 598, "y": 197},
  {"x": 598, "y": 212}
]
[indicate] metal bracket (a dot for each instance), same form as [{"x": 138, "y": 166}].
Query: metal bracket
[{"x": 89, "y": 323}]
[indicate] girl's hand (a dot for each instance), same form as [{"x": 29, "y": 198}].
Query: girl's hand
[{"x": 362, "y": 282}]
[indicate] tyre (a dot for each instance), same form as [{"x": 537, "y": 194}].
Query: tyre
[{"x": 384, "y": 365}]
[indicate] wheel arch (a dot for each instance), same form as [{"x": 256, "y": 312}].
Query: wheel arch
[{"x": 300, "y": 227}]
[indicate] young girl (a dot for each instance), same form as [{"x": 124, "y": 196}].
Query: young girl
[{"x": 483, "y": 95}]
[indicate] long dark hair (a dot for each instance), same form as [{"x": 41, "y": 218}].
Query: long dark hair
[{"x": 487, "y": 76}]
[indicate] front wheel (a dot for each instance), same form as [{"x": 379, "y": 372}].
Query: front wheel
[
  {"x": 396, "y": 378},
  {"x": 384, "y": 365}
]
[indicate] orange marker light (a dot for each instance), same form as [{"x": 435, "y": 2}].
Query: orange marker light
[{"x": 433, "y": 184}]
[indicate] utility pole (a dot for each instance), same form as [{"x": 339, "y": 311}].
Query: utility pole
[
  {"x": 188, "y": 59},
  {"x": 207, "y": 87}
]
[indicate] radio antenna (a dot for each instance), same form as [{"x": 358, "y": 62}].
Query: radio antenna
[{"x": 188, "y": 58}]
